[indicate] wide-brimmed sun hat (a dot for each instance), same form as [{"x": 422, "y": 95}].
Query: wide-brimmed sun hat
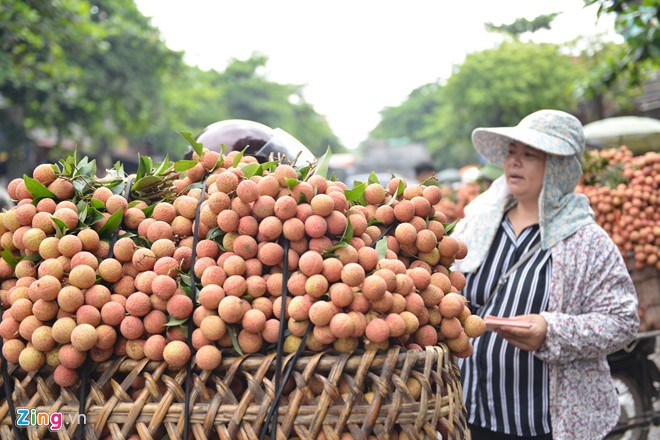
[{"x": 552, "y": 131}]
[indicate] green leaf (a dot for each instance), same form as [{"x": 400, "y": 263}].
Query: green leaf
[
  {"x": 82, "y": 214},
  {"x": 192, "y": 186},
  {"x": 215, "y": 233},
  {"x": 34, "y": 257},
  {"x": 119, "y": 168},
  {"x": 79, "y": 184},
  {"x": 375, "y": 222},
  {"x": 381, "y": 248},
  {"x": 134, "y": 203},
  {"x": 112, "y": 224},
  {"x": 60, "y": 227},
  {"x": 253, "y": 169},
  {"x": 323, "y": 163},
  {"x": 431, "y": 181},
  {"x": 327, "y": 253},
  {"x": 348, "y": 233},
  {"x": 149, "y": 210},
  {"x": 97, "y": 204},
  {"x": 164, "y": 165},
  {"x": 9, "y": 257},
  {"x": 184, "y": 165},
  {"x": 291, "y": 182},
  {"x": 146, "y": 182},
  {"x": 269, "y": 166},
  {"x": 354, "y": 195},
  {"x": 449, "y": 227},
  {"x": 238, "y": 157},
  {"x": 373, "y": 178},
  {"x": 333, "y": 178},
  {"x": 304, "y": 172},
  {"x": 174, "y": 322},
  {"x": 234, "y": 339},
  {"x": 399, "y": 191},
  {"x": 89, "y": 169},
  {"x": 199, "y": 148},
  {"x": 144, "y": 167},
  {"x": 36, "y": 189},
  {"x": 93, "y": 216},
  {"x": 185, "y": 280}
]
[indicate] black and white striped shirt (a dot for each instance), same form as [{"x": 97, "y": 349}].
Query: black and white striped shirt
[{"x": 505, "y": 388}]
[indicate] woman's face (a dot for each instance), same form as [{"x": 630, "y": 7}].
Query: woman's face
[{"x": 524, "y": 169}]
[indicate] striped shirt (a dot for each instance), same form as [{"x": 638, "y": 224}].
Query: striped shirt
[{"x": 505, "y": 388}]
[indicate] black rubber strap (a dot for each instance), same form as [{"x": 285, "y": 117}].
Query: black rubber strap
[
  {"x": 193, "y": 293},
  {"x": 80, "y": 429},
  {"x": 387, "y": 230},
  {"x": 266, "y": 428}
]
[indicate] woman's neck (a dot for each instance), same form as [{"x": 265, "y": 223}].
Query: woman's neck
[{"x": 523, "y": 215}]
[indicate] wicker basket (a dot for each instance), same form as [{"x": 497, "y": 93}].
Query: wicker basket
[{"x": 363, "y": 393}]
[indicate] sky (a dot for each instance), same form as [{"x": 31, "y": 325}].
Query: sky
[{"x": 354, "y": 57}]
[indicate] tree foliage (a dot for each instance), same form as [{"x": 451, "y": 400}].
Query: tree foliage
[
  {"x": 639, "y": 24},
  {"x": 522, "y": 25},
  {"x": 197, "y": 98},
  {"x": 98, "y": 70},
  {"x": 494, "y": 87},
  {"x": 409, "y": 119}
]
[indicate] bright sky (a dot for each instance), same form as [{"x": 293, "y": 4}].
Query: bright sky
[{"x": 354, "y": 57}]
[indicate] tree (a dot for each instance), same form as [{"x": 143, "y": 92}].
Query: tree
[
  {"x": 522, "y": 25},
  {"x": 253, "y": 96},
  {"x": 639, "y": 24},
  {"x": 73, "y": 65},
  {"x": 37, "y": 80},
  {"x": 498, "y": 87},
  {"x": 494, "y": 87},
  {"x": 409, "y": 119}
]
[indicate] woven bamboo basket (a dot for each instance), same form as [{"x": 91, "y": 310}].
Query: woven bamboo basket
[{"x": 147, "y": 399}]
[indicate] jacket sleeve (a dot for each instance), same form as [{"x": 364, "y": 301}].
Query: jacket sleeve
[{"x": 599, "y": 315}]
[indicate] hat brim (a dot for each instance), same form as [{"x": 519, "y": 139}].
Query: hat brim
[{"x": 492, "y": 143}]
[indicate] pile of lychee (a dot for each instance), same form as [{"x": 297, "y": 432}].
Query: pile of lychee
[
  {"x": 365, "y": 267},
  {"x": 623, "y": 190}
]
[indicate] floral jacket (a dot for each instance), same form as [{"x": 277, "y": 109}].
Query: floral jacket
[{"x": 592, "y": 312}]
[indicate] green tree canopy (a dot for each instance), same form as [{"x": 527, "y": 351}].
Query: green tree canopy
[
  {"x": 409, "y": 119},
  {"x": 494, "y": 87},
  {"x": 99, "y": 71},
  {"x": 522, "y": 25},
  {"x": 197, "y": 98},
  {"x": 75, "y": 64},
  {"x": 639, "y": 24}
]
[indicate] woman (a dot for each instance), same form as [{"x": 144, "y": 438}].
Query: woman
[{"x": 565, "y": 279}]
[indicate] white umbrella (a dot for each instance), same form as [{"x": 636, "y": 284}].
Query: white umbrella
[{"x": 637, "y": 133}]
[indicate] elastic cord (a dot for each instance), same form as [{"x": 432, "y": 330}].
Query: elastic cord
[
  {"x": 287, "y": 373},
  {"x": 280, "y": 344},
  {"x": 193, "y": 293},
  {"x": 387, "y": 230},
  {"x": 80, "y": 429}
]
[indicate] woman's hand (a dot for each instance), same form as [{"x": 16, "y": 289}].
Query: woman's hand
[{"x": 529, "y": 339}]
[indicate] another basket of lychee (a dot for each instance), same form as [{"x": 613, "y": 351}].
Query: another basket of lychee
[{"x": 162, "y": 293}]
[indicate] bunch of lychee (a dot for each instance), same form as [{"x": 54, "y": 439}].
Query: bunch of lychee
[
  {"x": 365, "y": 271},
  {"x": 623, "y": 190}
]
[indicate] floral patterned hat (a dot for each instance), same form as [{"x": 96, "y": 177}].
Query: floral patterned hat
[
  {"x": 561, "y": 211},
  {"x": 552, "y": 131}
]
